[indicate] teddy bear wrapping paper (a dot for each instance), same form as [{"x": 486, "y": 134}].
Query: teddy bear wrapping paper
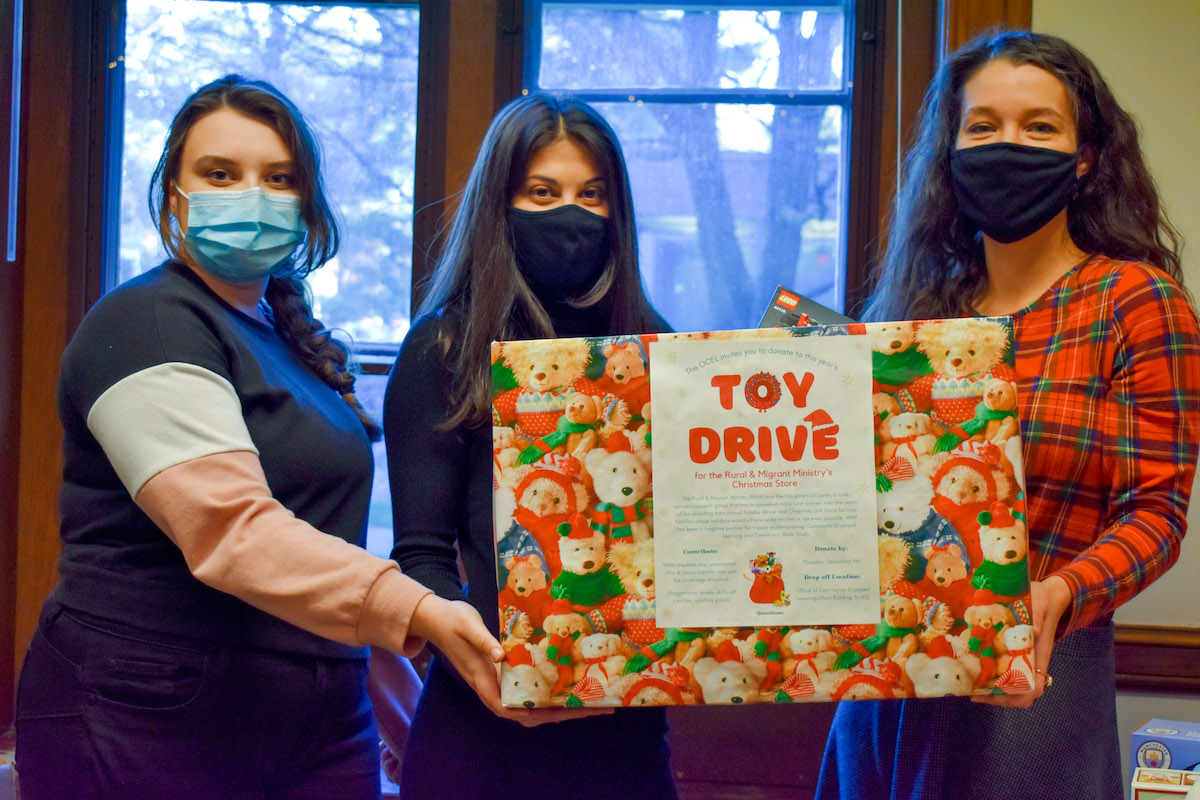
[{"x": 836, "y": 513}]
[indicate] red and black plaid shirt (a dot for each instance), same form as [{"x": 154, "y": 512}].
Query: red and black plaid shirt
[{"x": 1108, "y": 365}]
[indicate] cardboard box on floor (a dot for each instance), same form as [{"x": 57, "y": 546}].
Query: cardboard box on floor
[{"x": 1166, "y": 744}]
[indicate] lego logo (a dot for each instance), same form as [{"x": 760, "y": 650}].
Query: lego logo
[{"x": 788, "y": 300}]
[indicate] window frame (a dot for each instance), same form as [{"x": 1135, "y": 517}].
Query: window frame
[{"x": 861, "y": 35}]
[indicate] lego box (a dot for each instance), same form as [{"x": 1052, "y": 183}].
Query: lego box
[
  {"x": 836, "y": 512},
  {"x": 1166, "y": 744}
]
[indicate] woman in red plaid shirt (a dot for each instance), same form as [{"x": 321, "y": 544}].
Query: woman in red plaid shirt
[{"x": 1026, "y": 194}]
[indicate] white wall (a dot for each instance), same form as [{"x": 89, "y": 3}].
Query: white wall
[{"x": 1147, "y": 52}]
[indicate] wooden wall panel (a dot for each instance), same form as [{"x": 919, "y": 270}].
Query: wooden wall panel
[
  {"x": 46, "y": 196},
  {"x": 57, "y": 226},
  {"x": 965, "y": 18},
  {"x": 10, "y": 387}
]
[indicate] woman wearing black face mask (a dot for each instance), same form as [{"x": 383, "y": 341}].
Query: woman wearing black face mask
[
  {"x": 1026, "y": 195},
  {"x": 542, "y": 245}
]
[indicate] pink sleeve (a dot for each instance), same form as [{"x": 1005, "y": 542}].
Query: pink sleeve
[{"x": 237, "y": 538}]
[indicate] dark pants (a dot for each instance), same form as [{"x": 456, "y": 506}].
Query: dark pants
[
  {"x": 457, "y": 748},
  {"x": 109, "y": 711}
]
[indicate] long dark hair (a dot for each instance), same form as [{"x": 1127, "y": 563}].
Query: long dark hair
[
  {"x": 934, "y": 262},
  {"x": 477, "y": 287},
  {"x": 286, "y": 292}
]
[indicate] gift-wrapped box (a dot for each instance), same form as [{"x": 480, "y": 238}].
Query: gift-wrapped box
[{"x": 836, "y": 512}]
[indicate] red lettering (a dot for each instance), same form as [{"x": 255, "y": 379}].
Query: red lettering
[
  {"x": 764, "y": 443},
  {"x": 799, "y": 389},
  {"x": 792, "y": 449},
  {"x": 824, "y": 435},
  {"x": 738, "y": 442},
  {"x": 726, "y": 384},
  {"x": 704, "y": 445},
  {"x": 825, "y": 443}
]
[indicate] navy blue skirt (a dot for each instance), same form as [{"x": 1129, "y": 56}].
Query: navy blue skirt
[{"x": 1065, "y": 745}]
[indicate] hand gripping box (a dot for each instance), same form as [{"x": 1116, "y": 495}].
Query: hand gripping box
[
  {"x": 829, "y": 512},
  {"x": 1166, "y": 744}
]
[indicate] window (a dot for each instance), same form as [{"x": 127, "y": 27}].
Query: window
[
  {"x": 735, "y": 127},
  {"x": 352, "y": 71}
]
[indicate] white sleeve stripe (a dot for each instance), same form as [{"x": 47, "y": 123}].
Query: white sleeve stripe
[{"x": 166, "y": 415}]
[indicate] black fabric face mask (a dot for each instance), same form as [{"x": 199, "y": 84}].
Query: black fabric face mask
[
  {"x": 1012, "y": 190},
  {"x": 561, "y": 252}
]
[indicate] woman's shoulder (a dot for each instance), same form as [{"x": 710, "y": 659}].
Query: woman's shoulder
[
  {"x": 1125, "y": 275},
  {"x": 425, "y": 332},
  {"x": 151, "y": 320},
  {"x": 1136, "y": 295},
  {"x": 170, "y": 288}
]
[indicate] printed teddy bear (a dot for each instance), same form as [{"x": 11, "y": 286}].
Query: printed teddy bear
[
  {"x": 986, "y": 620},
  {"x": 625, "y": 375},
  {"x": 768, "y": 646},
  {"x": 604, "y": 656},
  {"x": 515, "y": 629},
  {"x": 947, "y": 578},
  {"x": 546, "y": 496},
  {"x": 547, "y": 371},
  {"x": 812, "y": 653},
  {"x": 902, "y": 616},
  {"x": 564, "y": 628},
  {"x": 726, "y": 678},
  {"x": 1000, "y": 400},
  {"x": 906, "y": 512},
  {"x": 1016, "y": 667},
  {"x": 893, "y": 559},
  {"x": 526, "y": 589},
  {"x": 964, "y": 355},
  {"x": 883, "y": 407},
  {"x": 527, "y": 678},
  {"x": 895, "y": 637},
  {"x": 873, "y": 679},
  {"x": 1004, "y": 568},
  {"x": 895, "y": 362},
  {"x": 660, "y": 684},
  {"x": 938, "y": 672},
  {"x": 910, "y": 437},
  {"x": 965, "y": 485},
  {"x": 586, "y": 580},
  {"x": 587, "y": 420},
  {"x": 633, "y": 562},
  {"x": 621, "y": 481}
]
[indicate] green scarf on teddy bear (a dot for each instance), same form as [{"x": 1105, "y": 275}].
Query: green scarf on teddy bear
[
  {"x": 960, "y": 433},
  {"x": 542, "y": 446},
  {"x": 859, "y": 651}
]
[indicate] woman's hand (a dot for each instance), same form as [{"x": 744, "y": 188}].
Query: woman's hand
[
  {"x": 455, "y": 628},
  {"x": 1051, "y": 599}
]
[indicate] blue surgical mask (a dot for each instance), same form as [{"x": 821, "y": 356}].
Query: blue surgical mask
[{"x": 242, "y": 236}]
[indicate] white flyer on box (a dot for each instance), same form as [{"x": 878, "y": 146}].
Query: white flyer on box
[{"x": 764, "y": 481}]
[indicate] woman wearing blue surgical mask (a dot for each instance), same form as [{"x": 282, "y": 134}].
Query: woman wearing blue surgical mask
[
  {"x": 542, "y": 245},
  {"x": 208, "y": 637},
  {"x": 1026, "y": 194}
]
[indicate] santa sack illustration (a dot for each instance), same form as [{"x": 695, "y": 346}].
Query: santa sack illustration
[{"x": 767, "y": 585}]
